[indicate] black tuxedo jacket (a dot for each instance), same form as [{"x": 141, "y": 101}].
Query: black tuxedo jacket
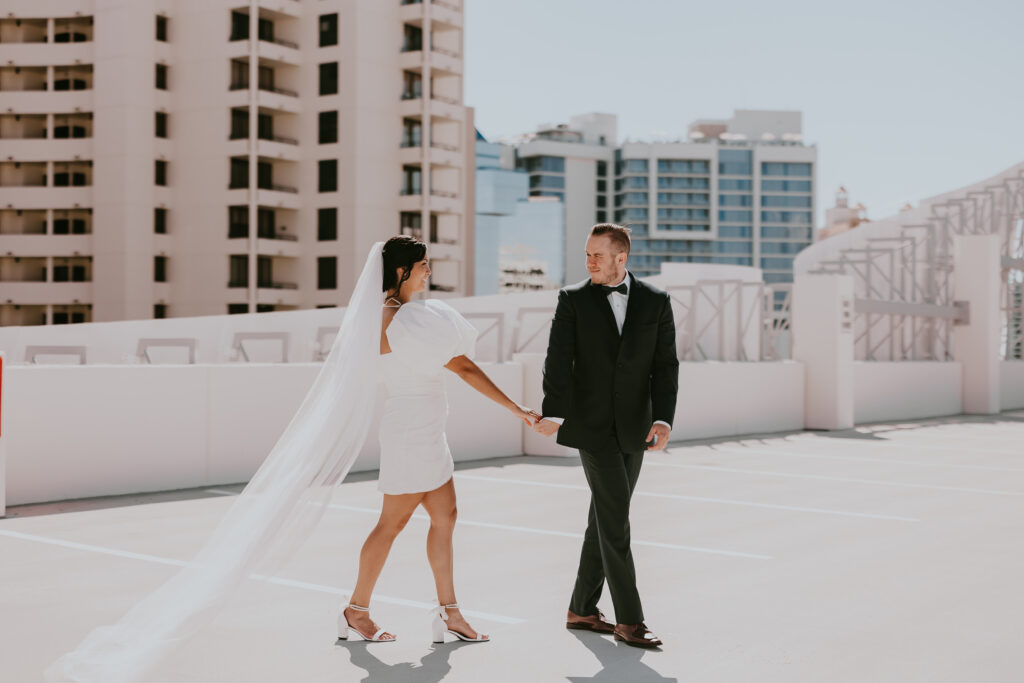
[{"x": 610, "y": 389}]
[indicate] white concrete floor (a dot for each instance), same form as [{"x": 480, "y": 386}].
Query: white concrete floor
[{"x": 889, "y": 553}]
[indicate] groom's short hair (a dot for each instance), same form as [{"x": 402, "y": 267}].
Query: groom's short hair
[{"x": 618, "y": 234}]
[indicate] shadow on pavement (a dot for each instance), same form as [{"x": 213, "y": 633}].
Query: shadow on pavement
[
  {"x": 432, "y": 668},
  {"x": 619, "y": 662}
]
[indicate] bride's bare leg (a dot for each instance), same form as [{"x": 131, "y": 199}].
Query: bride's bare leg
[
  {"x": 394, "y": 515},
  {"x": 440, "y": 505}
]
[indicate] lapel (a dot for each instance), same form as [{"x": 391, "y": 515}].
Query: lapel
[{"x": 601, "y": 301}]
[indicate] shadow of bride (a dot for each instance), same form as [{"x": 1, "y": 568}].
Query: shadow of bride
[
  {"x": 618, "y": 662},
  {"x": 432, "y": 668}
]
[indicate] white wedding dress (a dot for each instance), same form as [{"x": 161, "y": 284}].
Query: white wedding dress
[
  {"x": 414, "y": 453},
  {"x": 288, "y": 494}
]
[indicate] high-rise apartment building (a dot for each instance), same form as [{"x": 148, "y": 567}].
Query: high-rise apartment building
[
  {"x": 519, "y": 239},
  {"x": 739, "y": 191},
  {"x": 211, "y": 156}
]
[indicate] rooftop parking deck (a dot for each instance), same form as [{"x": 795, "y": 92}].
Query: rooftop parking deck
[{"x": 887, "y": 553}]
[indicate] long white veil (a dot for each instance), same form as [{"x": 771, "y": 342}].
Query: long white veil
[{"x": 270, "y": 519}]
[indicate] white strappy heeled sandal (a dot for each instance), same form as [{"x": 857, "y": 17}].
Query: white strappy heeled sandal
[
  {"x": 440, "y": 626},
  {"x": 344, "y": 627}
]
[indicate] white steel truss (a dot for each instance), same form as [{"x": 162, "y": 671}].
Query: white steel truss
[{"x": 903, "y": 282}]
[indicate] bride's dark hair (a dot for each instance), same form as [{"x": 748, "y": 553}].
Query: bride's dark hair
[{"x": 404, "y": 252}]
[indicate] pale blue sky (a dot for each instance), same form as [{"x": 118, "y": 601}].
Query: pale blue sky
[{"x": 904, "y": 99}]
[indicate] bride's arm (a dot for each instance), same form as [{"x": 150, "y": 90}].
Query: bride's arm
[{"x": 472, "y": 375}]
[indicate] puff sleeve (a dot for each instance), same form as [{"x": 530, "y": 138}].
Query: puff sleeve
[{"x": 430, "y": 332}]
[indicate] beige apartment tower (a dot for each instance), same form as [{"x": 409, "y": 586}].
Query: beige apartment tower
[{"x": 167, "y": 158}]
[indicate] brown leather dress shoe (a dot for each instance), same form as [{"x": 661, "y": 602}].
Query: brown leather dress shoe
[
  {"x": 595, "y": 623},
  {"x": 636, "y": 635}
]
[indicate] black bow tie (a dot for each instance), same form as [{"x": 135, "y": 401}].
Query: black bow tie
[{"x": 621, "y": 289}]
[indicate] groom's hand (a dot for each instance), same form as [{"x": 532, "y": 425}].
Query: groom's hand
[
  {"x": 657, "y": 430},
  {"x": 545, "y": 427}
]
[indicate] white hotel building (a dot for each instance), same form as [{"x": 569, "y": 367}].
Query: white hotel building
[
  {"x": 155, "y": 161},
  {"x": 739, "y": 191}
]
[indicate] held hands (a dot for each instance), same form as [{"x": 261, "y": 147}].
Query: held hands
[
  {"x": 530, "y": 417},
  {"x": 545, "y": 427},
  {"x": 661, "y": 432}
]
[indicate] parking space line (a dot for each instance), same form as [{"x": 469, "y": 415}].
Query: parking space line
[
  {"x": 259, "y": 577},
  {"x": 543, "y": 532},
  {"x": 862, "y": 458},
  {"x": 697, "y": 499},
  {"x": 823, "y": 477}
]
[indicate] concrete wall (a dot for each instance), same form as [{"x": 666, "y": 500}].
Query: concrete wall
[
  {"x": 727, "y": 399},
  {"x": 1012, "y": 394},
  {"x": 156, "y": 428},
  {"x": 906, "y": 390}
]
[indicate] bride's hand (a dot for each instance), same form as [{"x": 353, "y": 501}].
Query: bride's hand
[{"x": 526, "y": 415}]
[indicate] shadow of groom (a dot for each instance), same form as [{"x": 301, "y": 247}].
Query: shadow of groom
[
  {"x": 432, "y": 668},
  {"x": 618, "y": 662}
]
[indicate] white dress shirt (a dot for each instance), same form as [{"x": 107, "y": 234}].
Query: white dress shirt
[{"x": 618, "y": 303}]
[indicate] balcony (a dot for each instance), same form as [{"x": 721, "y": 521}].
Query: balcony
[
  {"x": 41, "y": 150},
  {"x": 448, "y": 14},
  {"x": 45, "y": 197},
  {"x": 47, "y": 54},
  {"x": 42, "y": 293},
  {"x": 53, "y": 245}
]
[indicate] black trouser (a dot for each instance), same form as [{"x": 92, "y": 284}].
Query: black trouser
[{"x": 606, "y": 554}]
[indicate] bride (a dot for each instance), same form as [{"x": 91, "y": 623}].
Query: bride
[
  {"x": 404, "y": 343},
  {"x": 418, "y": 339}
]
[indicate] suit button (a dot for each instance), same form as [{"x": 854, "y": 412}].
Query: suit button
[{"x": 620, "y": 365}]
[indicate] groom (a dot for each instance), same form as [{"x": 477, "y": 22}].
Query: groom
[{"x": 610, "y": 382}]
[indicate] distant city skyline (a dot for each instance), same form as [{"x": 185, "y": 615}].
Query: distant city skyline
[{"x": 903, "y": 101}]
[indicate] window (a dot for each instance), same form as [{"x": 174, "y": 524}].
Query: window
[
  {"x": 159, "y": 269},
  {"x": 602, "y": 217},
  {"x": 235, "y": 309},
  {"x": 239, "y": 174},
  {"x": 602, "y": 169},
  {"x": 735, "y": 200},
  {"x": 327, "y": 272},
  {"x": 682, "y": 166},
  {"x": 160, "y": 221},
  {"x": 161, "y": 173},
  {"x": 736, "y": 216},
  {"x": 551, "y": 181},
  {"x": 328, "y": 29},
  {"x": 239, "y": 124},
  {"x": 786, "y": 185},
  {"x": 328, "y": 127},
  {"x": 735, "y": 162},
  {"x": 328, "y": 175},
  {"x": 238, "y": 221},
  {"x": 161, "y": 124},
  {"x": 548, "y": 164},
  {"x": 411, "y": 180},
  {"x": 632, "y": 166},
  {"x": 327, "y": 224},
  {"x": 777, "y": 263},
  {"x": 412, "y": 38},
  {"x": 239, "y": 271},
  {"x": 786, "y": 201},
  {"x": 159, "y": 310},
  {"x": 161, "y": 77},
  {"x": 773, "y": 168},
  {"x": 781, "y": 247},
  {"x": 734, "y": 231},
  {"x": 239, "y": 26},
  {"x": 161, "y": 28},
  {"x": 329, "y": 78},
  {"x": 735, "y": 184},
  {"x": 802, "y": 217},
  {"x": 732, "y": 248},
  {"x": 783, "y": 232},
  {"x": 60, "y": 318},
  {"x": 412, "y": 85}
]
